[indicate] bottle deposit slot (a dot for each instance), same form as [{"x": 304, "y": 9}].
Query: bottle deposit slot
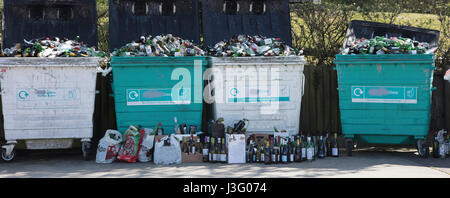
[
  {"x": 55, "y": 12},
  {"x": 154, "y": 7}
]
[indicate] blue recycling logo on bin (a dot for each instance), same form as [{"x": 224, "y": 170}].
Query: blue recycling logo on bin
[
  {"x": 159, "y": 96},
  {"x": 384, "y": 94}
]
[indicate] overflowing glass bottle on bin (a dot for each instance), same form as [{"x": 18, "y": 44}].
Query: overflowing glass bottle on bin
[
  {"x": 52, "y": 47},
  {"x": 382, "y": 45},
  {"x": 246, "y": 45},
  {"x": 161, "y": 45}
]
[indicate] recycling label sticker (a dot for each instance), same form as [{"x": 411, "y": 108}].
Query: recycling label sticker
[
  {"x": 48, "y": 98},
  {"x": 261, "y": 94},
  {"x": 384, "y": 94},
  {"x": 161, "y": 96},
  {"x": 48, "y": 94}
]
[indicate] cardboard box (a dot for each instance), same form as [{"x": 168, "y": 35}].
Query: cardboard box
[
  {"x": 218, "y": 130},
  {"x": 190, "y": 158},
  {"x": 259, "y": 138}
]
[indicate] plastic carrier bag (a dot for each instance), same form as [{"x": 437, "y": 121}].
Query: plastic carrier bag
[
  {"x": 167, "y": 151},
  {"x": 129, "y": 150},
  {"x": 145, "y": 154},
  {"x": 108, "y": 147}
]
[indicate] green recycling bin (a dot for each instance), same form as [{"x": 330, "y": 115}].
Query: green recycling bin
[
  {"x": 386, "y": 99},
  {"x": 150, "y": 90}
]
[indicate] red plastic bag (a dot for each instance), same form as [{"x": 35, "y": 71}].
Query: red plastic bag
[{"x": 129, "y": 151}]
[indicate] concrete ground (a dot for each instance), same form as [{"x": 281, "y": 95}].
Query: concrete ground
[{"x": 367, "y": 162}]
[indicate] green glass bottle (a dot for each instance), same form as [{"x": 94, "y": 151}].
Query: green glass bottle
[{"x": 212, "y": 151}]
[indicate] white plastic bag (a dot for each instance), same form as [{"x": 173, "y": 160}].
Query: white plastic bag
[
  {"x": 145, "y": 154},
  {"x": 167, "y": 154},
  {"x": 442, "y": 143},
  {"x": 108, "y": 147}
]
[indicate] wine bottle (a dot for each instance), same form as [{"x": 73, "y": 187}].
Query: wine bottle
[
  {"x": 192, "y": 145},
  {"x": 257, "y": 154},
  {"x": 206, "y": 150},
  {"x": 291, "y": 152},
  {"x": 159, "y": 129},
  {"x": 321, "y": 152},
  {"x": 316, "y": 145},
  {"x": 176, "y": 127},
  {"x": 226, "y": 151},
  {"x": 199, "y": 146},
  {"x": 304, "y": 146},
  {"x": 284, "y": 155},
  {"x": 335, "y": 148},
  {"x": 223, "y": 153},
  {"x": 279, "y": 149},
  {"x": 275, "y": 151},
  {"x": 247, "y": 152},
  {"x": 267, "y": 153},
  {"x": 262, "y": 150},
  {"x": 272, "y": 151},
  {"x": 298, "y": 151},
  {"x": 217, "y": 151},
  {"x": 435, "y": 146},
  {"x": 185, "y": 146},
  {"x": 212, "y": 151},
  {"x": 288, "y": 152},
  {"x": 254, "y": 152},
  {"x": 328, "y": 145},
  {"x": 250, "y": 151},
  {"x": 310, "y": 149}
]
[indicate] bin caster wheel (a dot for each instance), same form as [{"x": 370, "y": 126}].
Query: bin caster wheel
[
  {"x": 349, "y": 144},
  {"x": 422, "y": 148},
  {"x": 86, "y": 149},
  {"x": 10, "y": 157}
]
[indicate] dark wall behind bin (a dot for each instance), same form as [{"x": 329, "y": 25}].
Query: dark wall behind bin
[
  {"x": 28, "y": 19},
  {"x": 224, "y": 18},
  {"x": 130, "y": 19}
]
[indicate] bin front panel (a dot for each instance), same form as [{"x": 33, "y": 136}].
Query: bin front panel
[
  {"x": 224, "y": 18},
  {"x": 387, "y": 95},
  {"x": 130, "y": 19},
  {"x": 149, "y": 90},
  {"x": 48, "y": 98},
  {"x": 24, "y": 19},
  {"x": 267, "y": 91}
]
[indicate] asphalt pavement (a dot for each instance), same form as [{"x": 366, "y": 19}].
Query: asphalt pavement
[{"x": 367, "y": 162}]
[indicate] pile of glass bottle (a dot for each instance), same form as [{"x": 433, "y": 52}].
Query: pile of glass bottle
[
  {"x": 291, "y": 149},
  {"x": 246, "y": 45},
  {"x": 52, "y": 47},
  {"x": 162, "y": 45},
  {"x": 274, "y": 150},
  {"x": 393, "y": 45}
]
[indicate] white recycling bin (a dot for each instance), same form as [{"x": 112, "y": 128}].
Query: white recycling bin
[
  {"x": 47, "y": 102},
  {"x": 265, "y": 90}
]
